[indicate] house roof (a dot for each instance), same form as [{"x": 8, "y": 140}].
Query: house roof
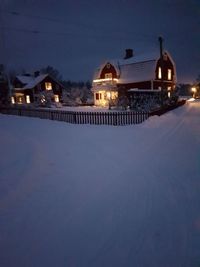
[
  {"x": 135, "y": 69},
  {"x": 35, "y": 81},
  {"x": 31, "y": 81},
  {"x": 24, "y": 78},
  {"x": 136, "y": 72}
]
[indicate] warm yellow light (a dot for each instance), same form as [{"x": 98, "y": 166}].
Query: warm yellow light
[
  {"x": 56, "y": 98},
  {"x": 108, "y": 95},
  {"x": 159, "y": 73},
  {"x": 28, "y": 101},
  {"x": 169, "y": 74},
  {"x": 20, "y": 100},
  {"x": 105, "y": 80},
  {"x": 12, "y": 100},
  {"x": 194, "y": 89},
  {"x": 48, "y": 86}
]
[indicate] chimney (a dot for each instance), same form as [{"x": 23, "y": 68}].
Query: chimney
[
  {"x": 36, "y": 73},
  {"x": 129, "y": 53},
  {"x": 160, "y": 39}
]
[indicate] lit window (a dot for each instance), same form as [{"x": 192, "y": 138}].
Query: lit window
[
  {"x": 48, "y": 86},
  {"x": 28, "y": 101},
  {"x": 114, "y": 95},
  {"x": 12, "y": 100},
  {"x": 108, "y": 95},
  {"x": 56, "y": 98},
  {"x": 169, "y": 74},
  {"x": 20, "y": 100},
  {"x": 169, "y": 94},
  {"x": 108, "y": 75},
  {"x": 159, "y": 73}
]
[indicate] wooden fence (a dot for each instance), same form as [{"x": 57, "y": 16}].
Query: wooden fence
[{"x": 107, "y": 118}]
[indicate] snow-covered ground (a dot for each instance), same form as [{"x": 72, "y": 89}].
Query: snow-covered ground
[{"x": 83, "y": 195}]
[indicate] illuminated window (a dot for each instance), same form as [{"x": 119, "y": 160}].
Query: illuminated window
[
  {"x": 159, "y": 73},
  {"x": 56, "y": 98},
  {"x": 20, "y": 100},
  {"x": 169, "y": 74},
  {"x": 12, "y": 100},
  {"x": 98, "y": 96},
  {"x": 28, "y": 101},
  {"x": 114, "y": 95},
  {"x": 169, "y": 93},
  {"x": 108, "y": 95},
  {"x": 48, "y": 86},
  {"x": 108, "y": 75}
]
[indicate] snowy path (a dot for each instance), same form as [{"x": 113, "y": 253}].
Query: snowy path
[{"x": 74, "y": 195}]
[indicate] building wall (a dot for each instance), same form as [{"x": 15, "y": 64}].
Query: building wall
[
  {"x": 56, "y": 87},
  {"x": 108, "y": 68}
]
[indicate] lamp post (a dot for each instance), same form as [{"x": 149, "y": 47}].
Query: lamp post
[{"x": 194, "y": 90}]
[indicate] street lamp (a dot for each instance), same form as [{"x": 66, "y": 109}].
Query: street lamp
[{"x": 194, "y": 90}]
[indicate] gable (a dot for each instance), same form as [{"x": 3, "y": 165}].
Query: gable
[{"x": 108, "y": 69}]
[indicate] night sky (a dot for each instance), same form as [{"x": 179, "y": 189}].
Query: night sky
[{"x": 76, "y": 36}]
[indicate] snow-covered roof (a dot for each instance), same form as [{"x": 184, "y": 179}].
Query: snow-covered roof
[
  {"x": 135, "y": 69},
  {"x": 35, "y": 81},
  {"x": 24, "y": 78},
  {"x": 136, "y": 72}
]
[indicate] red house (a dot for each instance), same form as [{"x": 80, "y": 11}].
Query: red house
[{"x": 152, "y": 74}]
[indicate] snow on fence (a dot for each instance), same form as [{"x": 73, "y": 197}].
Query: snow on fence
[{"x": 107, "y": 118}]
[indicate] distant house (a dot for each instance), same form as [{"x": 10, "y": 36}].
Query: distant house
[
  {"x": 134, "y": 76},
  {"x": 28, "y": 88}
]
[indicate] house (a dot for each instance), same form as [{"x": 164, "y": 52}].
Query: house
[
  {"x": 31, "y": 88},
  {"x": 195, "y": 90},
  {"x": 150, "y": 75}
]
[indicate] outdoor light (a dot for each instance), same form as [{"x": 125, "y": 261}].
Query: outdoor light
[
  {"x": 105, "y": 80},
  {"x": 193, "y": 89}
]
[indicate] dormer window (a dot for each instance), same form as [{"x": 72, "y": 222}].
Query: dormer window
[
  {"x": 159, "y": 73},
  {"x": 108, "y": 75},
  {"x": 48, "y": 86},
  {"x": 169, "y": 74}
]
